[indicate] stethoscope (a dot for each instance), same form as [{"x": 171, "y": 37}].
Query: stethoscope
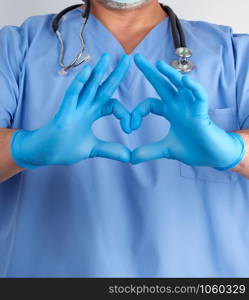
[{"x": 182, "y": 64}]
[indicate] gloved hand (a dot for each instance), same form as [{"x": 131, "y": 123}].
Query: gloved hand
[
  {"x": 68, "y": 138},
  {"x": 193, "y": 138}
]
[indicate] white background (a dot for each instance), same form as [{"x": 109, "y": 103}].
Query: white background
[{"x": 227, "y": 12}]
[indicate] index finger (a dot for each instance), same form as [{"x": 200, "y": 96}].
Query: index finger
[
  {"x": 113, "y": 81},
  {"x": 162, "y": 85}
]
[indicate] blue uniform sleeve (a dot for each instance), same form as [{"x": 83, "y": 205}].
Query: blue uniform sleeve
[
  {"x": 12, "y": 52},
  {"x": 241, "y": 52}
]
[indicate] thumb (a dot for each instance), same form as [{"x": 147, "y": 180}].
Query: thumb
[
  {"x": 150, "y": 152},
  {"x": 110, "y": 150}
]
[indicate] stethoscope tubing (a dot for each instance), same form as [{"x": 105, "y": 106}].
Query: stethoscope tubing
[{"x": 182, "y": 64}]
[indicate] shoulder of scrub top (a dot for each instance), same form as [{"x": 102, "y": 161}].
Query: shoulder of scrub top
[
  {"x": 219, "y": 35},
  {"x": 23, "y": 35},
  {"x": 32, "y": 27},
  {"x": 211, "y": 31},
  {"x": 32, "y": 23}
]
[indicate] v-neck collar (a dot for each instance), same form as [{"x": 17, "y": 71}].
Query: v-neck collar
[{"x": 107, "y": 39}]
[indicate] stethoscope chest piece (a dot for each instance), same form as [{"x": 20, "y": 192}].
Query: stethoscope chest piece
[{"x": 183, "y": 64}]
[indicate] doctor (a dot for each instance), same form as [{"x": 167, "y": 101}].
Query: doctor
[{"x": 63, "y": 213}]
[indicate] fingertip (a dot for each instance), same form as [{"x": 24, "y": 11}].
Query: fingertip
[
  {"x": 185, "y": 80},
  {"x": 138, "y": 57},
  {"x": 106, "y": 57},
  {"x": 129, "y": 132},
  {"x": 169, "y": 71},
  {"x": 160, "y": 63},
  {"x": 135, "y": 127},
  {"x": 126, "y": 155},
  {"x": 84, "y": 73},
  {"x": 125, "y": 62},
  {"x": 134, "y": 160},
  {"x": 126, "y": 58},
  {"x": 87, "y": 67},
  {"x": 135, "y": 123},
  {"x": 87, "y": 70},
  {"x": 126, "y": 128}
]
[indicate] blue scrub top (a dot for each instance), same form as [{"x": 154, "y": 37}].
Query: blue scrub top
[{"x": 103, "y": 218}]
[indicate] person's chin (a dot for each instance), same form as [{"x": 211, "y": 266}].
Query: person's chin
[{"x": 123, "y": 6}]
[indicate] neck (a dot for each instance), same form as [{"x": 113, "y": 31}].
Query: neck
[{"x": 134, "y": 19}]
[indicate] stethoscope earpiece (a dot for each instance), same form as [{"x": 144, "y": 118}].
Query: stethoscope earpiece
[{"x": 80, "y": 58}]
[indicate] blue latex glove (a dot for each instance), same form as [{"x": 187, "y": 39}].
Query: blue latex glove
[
  {"x": 193, "y": 138},
  {"x": 68, "y": 138}
]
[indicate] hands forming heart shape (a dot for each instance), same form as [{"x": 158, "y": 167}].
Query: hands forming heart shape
[{"x": 193, "y": 138}]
